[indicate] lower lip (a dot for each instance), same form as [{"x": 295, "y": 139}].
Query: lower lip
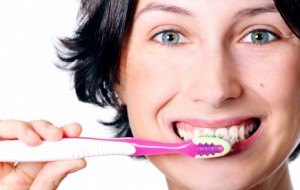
[{"x": 244, "y": 145}]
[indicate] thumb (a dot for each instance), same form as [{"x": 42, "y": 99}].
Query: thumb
[{"x": 52, "y": 174}]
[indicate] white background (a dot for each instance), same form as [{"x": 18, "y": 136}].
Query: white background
[{"x": 32, "y": 88}]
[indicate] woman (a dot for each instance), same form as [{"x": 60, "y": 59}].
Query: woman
[{"x": 176, "y": 69}]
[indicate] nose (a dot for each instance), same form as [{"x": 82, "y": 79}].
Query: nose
[{"x": 215, "y": 80}]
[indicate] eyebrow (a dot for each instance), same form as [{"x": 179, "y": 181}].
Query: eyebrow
[
  {"x": 248, "y": 12},
  {"x": 165, "y": 8}
]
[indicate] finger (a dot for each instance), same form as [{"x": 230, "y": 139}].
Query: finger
[
  {"x": 46, "y": 130},
  {"x": 53, "y": 173},
  {"x": 5, "y": 169},
  {"x": 30, "y": 169},
  {"x": 12, "y": 129},
  {"x": 11, "y": 178},
  {"x": 72, "y": 130}
]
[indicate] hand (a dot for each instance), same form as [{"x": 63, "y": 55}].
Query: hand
[{"x": 36, "y": 176}]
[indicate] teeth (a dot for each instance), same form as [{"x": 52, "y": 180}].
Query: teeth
[
  {"x": 208, "y": 133},
  {"x": 232, "y": 134},
  {"x": 251, "y": 128},
  {"x": 197, "y": 133},
  {"x": 189, "y": 135},
  {"x": 242, "y": 133},
  {"x": 247, "y": 131},
  {"x": 222, "y": 132}
]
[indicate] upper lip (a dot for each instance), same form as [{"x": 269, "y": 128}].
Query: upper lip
[{"x": 216, "y": 123}]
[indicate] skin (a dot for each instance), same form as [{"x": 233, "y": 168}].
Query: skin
[
  {"x": 215, "y": 73},
  {"x": 36, "y": 176}
]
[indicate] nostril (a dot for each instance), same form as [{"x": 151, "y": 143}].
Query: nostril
[
  {"x": 217, "y": 89},
  {"x": 216, "y": 98}
]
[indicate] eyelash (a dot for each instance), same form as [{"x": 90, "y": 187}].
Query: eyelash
[
  {"x": 271, "y": 36},
  {"x": 182, "y": 39}
]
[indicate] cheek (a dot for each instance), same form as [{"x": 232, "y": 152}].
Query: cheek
[
  {"x": 277, "y": 83},
  {"x": 154, "y": 75},
  {"x": 284, "y": 85},
  {"x": 275, "y": 78},
  {"x": 149, "y": 85}
]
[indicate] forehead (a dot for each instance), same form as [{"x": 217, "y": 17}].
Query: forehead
[{"x": 192, "y": 7}]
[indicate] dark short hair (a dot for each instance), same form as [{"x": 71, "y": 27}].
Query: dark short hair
[
  {"x": 94, "y": 53},
  {"x": 290, "y": 12}
]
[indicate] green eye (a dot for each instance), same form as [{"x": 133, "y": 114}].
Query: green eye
[
  {"x": 170, "y": 38},
  {"x": 260, "y": 37}
]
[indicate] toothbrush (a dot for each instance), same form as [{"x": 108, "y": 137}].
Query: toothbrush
[{"x": 83, "y": 147}]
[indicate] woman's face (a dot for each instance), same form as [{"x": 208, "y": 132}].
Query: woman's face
[{"x": 194, "y": 67}]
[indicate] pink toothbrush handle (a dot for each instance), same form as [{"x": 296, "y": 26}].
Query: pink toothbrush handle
[
  {"x": 147, "y": 147},
  {"x": 144, "y": 147},
  {"x": 73, "y": 148},
  {"x": 200, "y": 147}
]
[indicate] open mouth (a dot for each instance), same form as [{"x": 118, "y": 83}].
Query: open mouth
[{"x": 233, "y": 134}]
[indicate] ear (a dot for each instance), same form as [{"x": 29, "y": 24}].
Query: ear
[
  {"x": 121, "y": 92},
  {"x": 120, "y": 82}
]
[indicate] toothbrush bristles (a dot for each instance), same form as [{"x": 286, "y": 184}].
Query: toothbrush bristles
[{"x": 209, "y": 149}]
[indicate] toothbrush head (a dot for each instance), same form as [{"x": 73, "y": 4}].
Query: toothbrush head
[{"x": 211, "y": 147}]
